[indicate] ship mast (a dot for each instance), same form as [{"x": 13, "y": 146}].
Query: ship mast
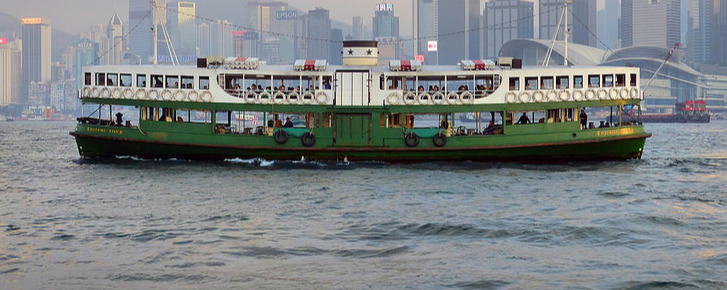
[{"x": 564, "y": 14}]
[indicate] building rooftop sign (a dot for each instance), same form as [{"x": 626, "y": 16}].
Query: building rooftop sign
[{"x": 31, "y": 20}]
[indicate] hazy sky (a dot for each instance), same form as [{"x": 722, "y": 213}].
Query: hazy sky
[{"x": 75, "y": 16}]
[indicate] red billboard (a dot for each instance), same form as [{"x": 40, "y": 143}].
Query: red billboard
[{"x": 3, "y": 40}]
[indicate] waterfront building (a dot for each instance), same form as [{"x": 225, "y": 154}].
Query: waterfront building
[
  {"x": 36, "y": 54},
  {"x": 505, "y": 20},
  {"x": 10, "y": 73},
  {"x": 319, "y": 34}
]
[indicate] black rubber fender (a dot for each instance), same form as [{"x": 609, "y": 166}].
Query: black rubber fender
[
  {"x": 308, "y": 139},
  {"x": 411, "y": 139},
  {"x": 281, "y": 137},
  {"x": 440, "y": 139}
]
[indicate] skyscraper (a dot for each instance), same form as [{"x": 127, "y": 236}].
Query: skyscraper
[
  {"x": 425, "y": 25},
  {"x": 385, "y": 24},
  {"x": 275, "y": 20},
  {"x": 582, "y": 20},
  {"x": 36, "y": 52},
  {"x": 357, "y": 27},
  {"x": 699, "y": 30},
  {"x": 319, "y": 33},
  {"x": 141, "y": 20},
  {"x": 10, "y": 73},
  {"x": 650, "y": 23},
  {"x": 181, "y": 16},
  {"x": 718, "y": 52},
  {"x": 115, "y": 34},
  {"x": 458, "y": 31},
  {"x": 505, "y": 20},
  {"x": 607, "y": 28}
]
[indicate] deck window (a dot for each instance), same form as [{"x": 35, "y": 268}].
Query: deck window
[
  {"x": 87, "y": 79},
  {"x": 578, "y": 82},
  {"x": 563, "y": 82},
  {"x": 594, "y": 81},
  {"x": 157, "y": 81},
  {"x": 514, "y": 84},
  {"x": 633, "y": 80},
  {"x": 620, "y": 80},
  {"x": 141, "y": 81},
  {"x": 187, "y": 82},
  {"x": 172, "y": 82},
  {"x": 100, "y": 79},
  {"x": 204, "y": 83},
  {"x": 546, "y": 83},
  {"x": 607, "y": 81},
  {"x": 531, "y": 83},
  {"x": 125, "y": 80},
  {"x": 112, "y": 79}
]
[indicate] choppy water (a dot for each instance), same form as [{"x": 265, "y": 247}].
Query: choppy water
[{"x": 659, "y": 222}]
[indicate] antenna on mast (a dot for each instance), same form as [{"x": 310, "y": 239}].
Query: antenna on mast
[{"x": 160, "y": 21}]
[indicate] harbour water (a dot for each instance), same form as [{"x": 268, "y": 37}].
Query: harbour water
[{"x": 68, "y": 223}]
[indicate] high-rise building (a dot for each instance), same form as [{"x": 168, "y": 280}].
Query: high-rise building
[
  {"x": 650, "y": 23},
  {"x": 699, "y": 30},
  {"x": 275, "y": 19},
  {"x": 608, "y": 25},
  {"x": 505, "y": 20},
  {"x": 336, "y": 46},
  {"x": 385, "y": 24},
  {"x": 10, "y": 73},
  {"x": 116, "y": 36},
  {"x": 582, "y": 20},
  {"x": 718, "y": 52},
  {"x": 458, "y": 31},
  {"x": 319, "y": 33},
  {"x": 425, "y": 26},
  {"x": 141, "y": 20},
  {"x": 36, "y": 52},
  {"x": 85, "y": 56},
  {"x": 181, "y": 17},
  {"x": 357, "y": 27}
]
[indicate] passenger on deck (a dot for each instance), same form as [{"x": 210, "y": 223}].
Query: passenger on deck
[
  {"x": 523, "y": 119},
  {"x": 327, "y": 85},
  {"x": 288, "y": 123},
  {"x": 584, "y": 119}
]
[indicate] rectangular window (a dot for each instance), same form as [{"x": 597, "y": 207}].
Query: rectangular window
[
  {"x": 594, "y": 81},
  {"x": 546, "y": 83},
  {"x": 633, "y": 80},
  {"x": 112, "y": 79},
  {"x": 172, "y": 82},
  {"x": 514, "y": 84},
  {"x": 204, "y": 83},
  {"x": 607, "y": 81},
  {"x": 531, "y": 83},
  {"x": 141, "y": 81},
  {"x": 187, "y": 82},
  {"x": 620, "y": 80},
  {"x": 125, "y": 80},
  {"x": 157, "y": 81},
  {"x": 563, "y": 82},
  {"x": 100, "y": 79},
  {"x": 87, "y": 79},
  {"x": 578, "y": 82}
]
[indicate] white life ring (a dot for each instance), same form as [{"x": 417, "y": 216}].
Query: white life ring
[
  {"x": 95, "y": 92},
  {"x": 250, "y": 97},
  {"x": 602, "y": 94},
  {"x": 193, "y": 96},
  {"x": 452, "y": 98},
  {"x": 322, "y": 98},
  {"x": 308, "y": 98},
  {"x": 410, "y": 98},
  {"x": 153, "y": 94},
  {"x": 624, "y": 93},
  {"x": 467, "y": 98},
  {"x": 538, "y": 96},
  {"x": 393, "y": 99},
  {"x": 634, "y": 93},
  {"x": 141, "y": 94},
  {"x": 578, "y": 95},
  {"x": 179, "y": 95},
  {"x": 613, "y": 94},
  {"x": 424, "y": 98},
  {"x": 564, "y": 96},
  {"x": 293, "y": 98},
  {"x": 105, "y": 93},
  {"x": 524, "y": 97},
  {"x": 206, "y": 96},
  {"x": 264, "y": 97},
  {"x": 116, "y": 93},
  {"x": 86, "y": 92},
  {"x": 167, "y": 95},
  {"x": 590, "y": 94},
  {"x": 511, "y": 97},
  {"x": 551, "y": 96},
  {"x": 279, "y": 97},
  {"x": 128, "y": 94},
  {"x": 438, "y": 98}
]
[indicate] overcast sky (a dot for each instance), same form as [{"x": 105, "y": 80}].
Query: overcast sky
[{"x": 75, "y": 16}]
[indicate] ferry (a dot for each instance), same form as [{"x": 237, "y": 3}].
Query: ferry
[{"x": 401, "y": 111}]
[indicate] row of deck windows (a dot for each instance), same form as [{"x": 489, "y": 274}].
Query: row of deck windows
[
  {"x": 576, "y": 82},
  {"x": 156, "y": 81}
]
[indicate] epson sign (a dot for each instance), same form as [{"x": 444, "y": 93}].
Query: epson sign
[{"x": 286, "y": 15}]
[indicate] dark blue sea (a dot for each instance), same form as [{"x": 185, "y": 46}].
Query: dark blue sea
[{"x": 68, "y": 223}]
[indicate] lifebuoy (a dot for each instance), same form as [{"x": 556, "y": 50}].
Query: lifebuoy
[
  {"x": 524, "y": 97},
  {"x": 153, "y": 94},
  {"x": 141, "y": 94},
  {"x": 86, "y": 92},
  {"x": 410, "y": 98},
  {"x": 95, "y": 92},
  {"x": 467, "y": 98},
  {"x": 281, "y": 136},
  {"x": 602, "y": 94},
  {"x": 206, "y": 96},
  {"x": 613, "y": 94},
  {"x": 179, "y": 95},
  {"x": 293, "y": 98},
  {"x": 128, "y": 93},
  {"x": 624, "y": 93},
  {"x": 511, "y": 97},
  {"x": 116, "y": 93},
  {"x": 322, "y": 98},
  {"x": 438, "y": 98},
  {"x": 279, "y": 97},
  {"x": 105, "y": 93},
  {"x": 308, "y": 139},
  {"x": 578, "y": 95},
  {"x": 264, "y": 97},
  {"x": 590, "y": 94},
  {"x": 440, "y": 139},
  {"x": 538, "y": 96},
  {"x": 552, "y": 96},
  {"x": 634, "y": 93},
  {"x": 193, "y": 96},
  {"x": 424, "y": 98},
  {"x": 411, "y": 139},
  {"x": 308, "y": 98},
  {"x": 251, "y": 97},
  {"x": 166, "y": 95},
  {"x": 452, "y": 98},
  {"x": 564, "y": 96}
]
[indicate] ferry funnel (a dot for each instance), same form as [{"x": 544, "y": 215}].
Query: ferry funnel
[{"x": 360, "y": 52}]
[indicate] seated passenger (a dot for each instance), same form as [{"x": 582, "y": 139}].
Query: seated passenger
[{"x": 288, "y": 123}]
